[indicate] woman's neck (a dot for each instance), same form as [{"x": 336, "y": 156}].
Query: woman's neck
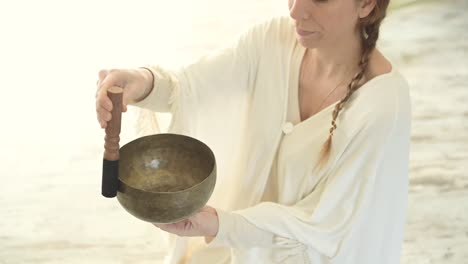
[{"x": 336, "y": 61}]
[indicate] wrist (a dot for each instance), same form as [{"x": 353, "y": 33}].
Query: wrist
[{"x": 148, "y": 82}]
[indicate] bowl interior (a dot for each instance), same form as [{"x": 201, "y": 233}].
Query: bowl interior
[{"x": 165, "y": 163}]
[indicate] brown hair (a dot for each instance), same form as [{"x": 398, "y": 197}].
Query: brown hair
[{"x": 369, "y": 26}]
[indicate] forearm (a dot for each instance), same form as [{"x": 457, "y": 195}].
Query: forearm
[{"x": 235, "y": 231}]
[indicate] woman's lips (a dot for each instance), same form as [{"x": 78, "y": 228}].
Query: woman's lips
[{"x": 304, "y": 33}]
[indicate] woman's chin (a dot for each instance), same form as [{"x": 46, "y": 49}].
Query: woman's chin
[
  {"x": 311, "y": 41},
  {"x": 308, "y": 43}
]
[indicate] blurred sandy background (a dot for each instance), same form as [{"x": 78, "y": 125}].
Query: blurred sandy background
[{"x": 51, "y": 210}]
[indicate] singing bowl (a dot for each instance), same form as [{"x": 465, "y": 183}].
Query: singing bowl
[{"x": 165, "y": 178}]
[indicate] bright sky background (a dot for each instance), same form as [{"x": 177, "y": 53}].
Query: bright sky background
[{"x": 51, "y": 52}]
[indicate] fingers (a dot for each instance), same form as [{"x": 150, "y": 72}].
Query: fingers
[
  {"x": 103, "y": 116},
  {"x": 124, "y": 78},
  {"x": 112, "y": 78},
  {"x": 103, "y": 108},
  {"x": 103, "y": 103},
  {"x": 181, "y": 228},
  {"x": 102, "y": 74},
  {"x": 164, "y": 227},
  {"x": 209, "y": 209}
]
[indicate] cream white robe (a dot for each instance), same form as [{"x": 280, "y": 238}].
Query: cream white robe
[{"x": 241, "y": 100}]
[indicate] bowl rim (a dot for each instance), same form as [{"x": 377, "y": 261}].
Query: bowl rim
[{"x": 177, "y": 135}]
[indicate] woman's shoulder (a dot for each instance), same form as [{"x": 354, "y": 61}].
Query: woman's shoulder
[
  {"x": 272, "y": 30},
  {"x": 273, "y": 25},
  {"x": 383, "y": 101},
  {"x": 383, "y": 81}
]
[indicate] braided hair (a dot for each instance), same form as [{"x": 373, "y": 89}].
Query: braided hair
[{"x": 369, "y": 26}]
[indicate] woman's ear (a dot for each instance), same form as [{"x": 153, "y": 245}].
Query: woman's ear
[{"x": 366, "y": 7}]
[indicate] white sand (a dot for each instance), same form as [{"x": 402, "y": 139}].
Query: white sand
[
  {"x": 51, "y": 146},
  {"x": 433, "y": 39}
]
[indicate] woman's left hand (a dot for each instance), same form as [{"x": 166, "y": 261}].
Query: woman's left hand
[{"x": 203, "y": 223}]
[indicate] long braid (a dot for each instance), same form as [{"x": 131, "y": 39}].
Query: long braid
[{"x": 370, "y": 33}]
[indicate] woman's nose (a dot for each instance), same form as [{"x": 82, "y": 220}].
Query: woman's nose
[{"x": 297, "y": 10}]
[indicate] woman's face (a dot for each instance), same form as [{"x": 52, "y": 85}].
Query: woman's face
[{"x": 326, "y": 22}]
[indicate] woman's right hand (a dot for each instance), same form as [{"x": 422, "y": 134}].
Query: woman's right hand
[{"x": 136, "y": 84}]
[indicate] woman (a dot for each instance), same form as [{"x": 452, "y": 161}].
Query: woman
[{"x": 292, "y": 188}]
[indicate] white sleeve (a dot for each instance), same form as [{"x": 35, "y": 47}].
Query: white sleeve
[
  {"x": 223, "y": 73},
  {"x": 321, "y": 219}
]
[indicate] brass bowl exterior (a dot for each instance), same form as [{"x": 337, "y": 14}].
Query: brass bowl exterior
[{"x": 165, "y": 178}]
